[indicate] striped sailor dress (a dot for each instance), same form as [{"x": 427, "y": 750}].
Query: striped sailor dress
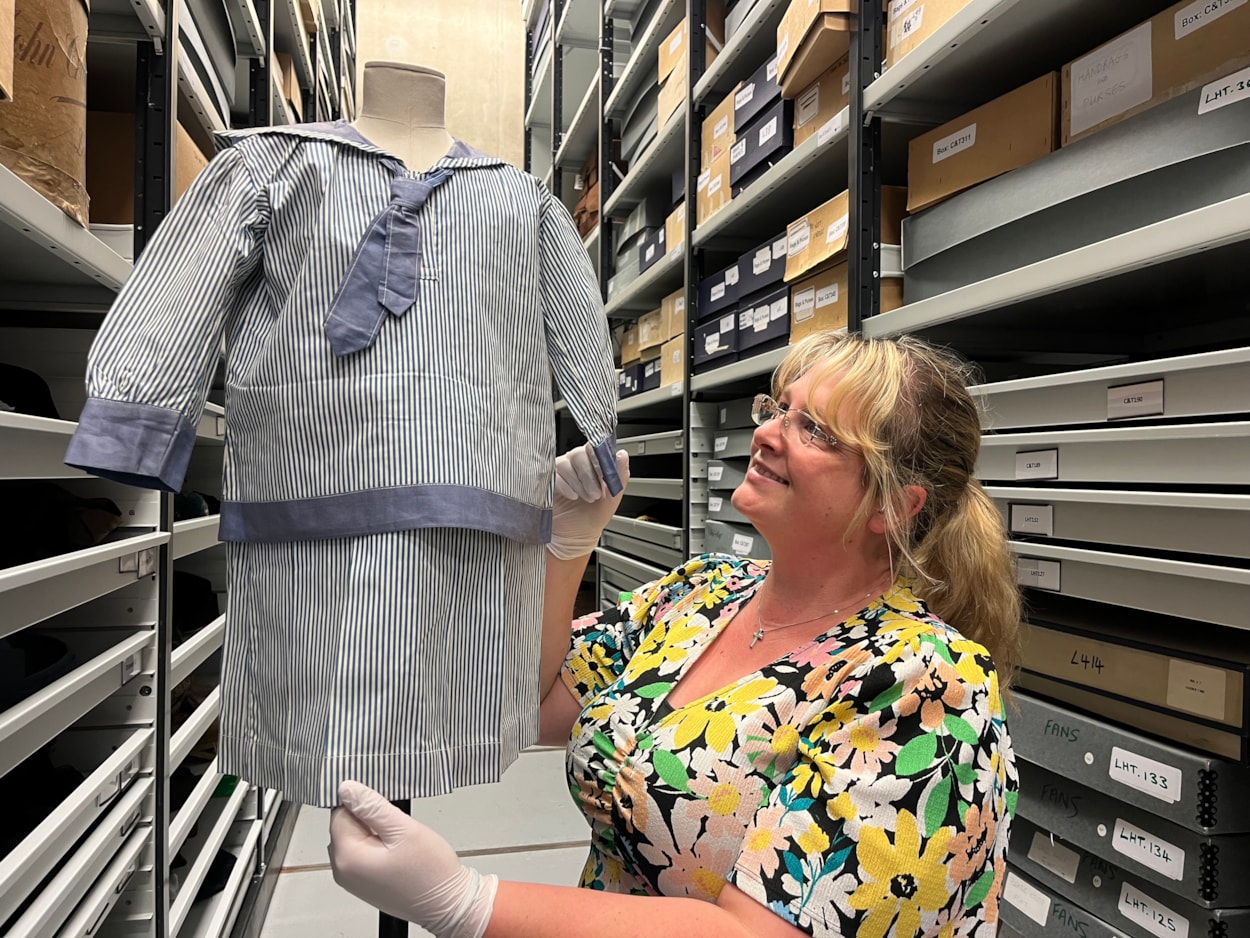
[{"x": 389, "y": 340}]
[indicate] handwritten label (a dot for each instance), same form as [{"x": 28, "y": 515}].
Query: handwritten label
[
  {"x": 714, "y": 186},
  {"x": 770, "y": 70},
  {"x": 1196, "y": 688},
  {"x": 721, "y": 128},
  {"x": 805, "y": 304},
  {"x": 827, "y": 296},
  {"x": 744, "y": 96},
  {"x": 743, "y": 544},
  {"x": 715, "y": 473},
  {"x": 1038, "y": 464},
  {"x": 675, "y": 43},
  {"x": 1032, "y": 519},
  {"x": 1201, "y": 13},
  {"x": 727, "y": 323},
  {"x": 899, "y": 7},
  {"x": 702, "y": 181},
  {"x": 714, "y": 503},
  {"x": 711, "y": 344},
  {"x": 779, "y": 248},
  {"x": 718, "y": 292},
  {"x": 1153, "y": 916},
  {"x": 762, "y": 260},
  {"x": 1039, "y": 574},
  {"x": 745, "y": 318},
  {"x": 738, "y": 150},
  {"x": 963, "y": 139},
  {"x": 1148, "y": 850},
  {"x": 1135, "y": 400},
  {"x": 1084, "y": 661},
  {"x": 778, "y": 308},
  {"x": 732, "y": 275},
  {"x": 676, "y": 389},
  {"x": 783, "y": 47},
  {"x": 830, "y": 129},
  {"x": 1145, "y": 774},
  {"x": 720, "y": 444},
  {"x": 837, "y": 230},
  {"x": 1112, "y": 79},
  {"x": 800, "y": 237},
  {"x": 1054, "y": 857},
  {"x": 1224, "y": 91},
  {"x": 1027, "y": 898},
  {"x": 807, "y": 106}
]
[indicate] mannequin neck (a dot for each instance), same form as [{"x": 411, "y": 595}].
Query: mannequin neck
[{"x": 402, "y": 111}]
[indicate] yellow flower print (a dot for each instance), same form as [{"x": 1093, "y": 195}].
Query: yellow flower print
[
  {"x": 842, "y": 808},
  {"x": 836, "y": 715},
  {"x": 813, "y": 840},
  {"x": 713, "y": 717},
  {"x": 668, "y": 642},
  {"x": 901, "y": 597},
  {"x": 899, "y": 881},
  {"x": 972, "y": 661},
  {"x": 785, "y": 739},
  {"x": 904, "y": 638},
  {"x": 593, "y": 671},
  {"x": 815, "y": 769}
]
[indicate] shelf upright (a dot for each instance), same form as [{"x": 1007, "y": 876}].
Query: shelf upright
[
  {"x": 607, "y": 171},
  {"x": 864, "y": 249}
]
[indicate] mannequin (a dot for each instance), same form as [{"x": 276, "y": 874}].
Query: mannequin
[{"x": 402, "y": 111}]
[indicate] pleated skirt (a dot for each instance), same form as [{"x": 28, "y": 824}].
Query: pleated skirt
[{"x": 407, "y": 661}]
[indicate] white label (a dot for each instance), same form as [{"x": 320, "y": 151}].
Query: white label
[
  {"x": 807, "y": 106},
  {"x": 1054, "y": 857},
  {"x": 1135, "y": 400},
  {"x": 713, "y": 187},
  {"x": 1033, "y": 519},
  {"x": 827, "y": 296},
  {"x": 745, "y": 318},
  {"x": 579, "y": 183},
  {"x": 905, "y": 28},
  {"x": 738, "y": 150},
  {"x": 837, "y": 230},
  {"x": 715, "y": 473},
  {"x": 1039, "y": 574},
  {"x": 1200, "y": 13},
  {"x": 742, "y": 544},
  {"x": 779, "y": 248},
  {"x": 1236, "y": 87},
  {"x": 714, "y": 503},
  {"x": 721, "y": 128},
  {"x": 718, "y": 292},
  {"x": 703, "y": 178},
  {"x": 1027, "y": 898},
  {"x": 675, "y": 43},
  {"x": 1195, "y": 688},
  {"x": 963, "y": 139},
  {"x": 770, "y": 70},
  {"x": 783, "y": 47},
  {"x": 1038, "y": 464},
  {"x": 800, "y": 238},
  {"x": 1111, "y": 79},
  {"x": 675, "y": 390},
  {"x": 762, "y": 260},
  {"x": 711, "y": 344},
  {"x": 1154, "y": 778},
  {"x": 830, "y": 129},
  {"x": 727, "y": 323},
  {"x": 760, "y": 318},
  {"x": 778, "y": 308},
  {"x": 805, "y": 304},
  {"x": 676, "y": 251},
  {"x": 1148, "y": 850},
  {"x": 744, "y": 96},
  {"x": 899, "y": 7},
  {"x": 846, "y": 84},
  {"x": 720, "y": 444},
  {"x": 1156, "y": 918},
  {"x": 768, "y": 131},
  {"x": 732, "y": 276},
  {"x": 676, "y": 356},
  {"x": 650, "y": 251}
]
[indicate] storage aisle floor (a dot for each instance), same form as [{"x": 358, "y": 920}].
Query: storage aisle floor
[{"x": 525, "y": 828}]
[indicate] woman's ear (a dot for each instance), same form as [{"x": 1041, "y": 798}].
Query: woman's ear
[{"x": 911, "y": 501}]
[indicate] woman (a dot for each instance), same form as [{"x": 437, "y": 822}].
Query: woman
[{"x": 804, "y": 746}]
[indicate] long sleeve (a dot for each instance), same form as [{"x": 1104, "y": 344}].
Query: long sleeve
[
  {"x": 149, "y": 369},
  {"x": 577, "y": 334}
]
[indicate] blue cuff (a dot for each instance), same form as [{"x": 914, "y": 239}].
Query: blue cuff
[
  {"x": 605, "y": 452},
  {"x": 135, "y": 444}
]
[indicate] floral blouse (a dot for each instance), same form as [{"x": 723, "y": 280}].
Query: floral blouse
[{"x": 862, "y": 785}]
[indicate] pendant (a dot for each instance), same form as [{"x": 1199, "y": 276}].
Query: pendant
[{"x": 759, "y": 633}]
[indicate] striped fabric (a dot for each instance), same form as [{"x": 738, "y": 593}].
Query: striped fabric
[{"x": 386, "y": 508}]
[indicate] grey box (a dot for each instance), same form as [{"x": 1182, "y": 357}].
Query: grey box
[
  {"x": 725, "y": 475},
  {"x": 1203, "y": 794},
  {"x": 1113, "y": 894},
  {"x": 720, "y": 506},
  {"x": 732, "y": 415},
  {"x": 1034, "y": 911},
  {"x": 723, "y": 537},
  {"x": 1207, "y": 870},
  {"x": 730, "y": 443}
]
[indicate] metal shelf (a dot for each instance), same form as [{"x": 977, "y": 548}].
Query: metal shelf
[
  {"x": 655, "y": 488},
  {"x": 654, "y": 169},
  {"x": 583, "y": 133},
  {"x": 187, "y": 735},
  {"x": 194, "y": 535},
  {"x": 34, "y": 447},
  {"x": 654, "y": 444},
  {"x": 805, "y": 177},
  {"x": 627, "y": 568},
  {"x": 644, "y": 550},
  {"x": 289, "y": 37},
  {"x": 1148, "y": 249},
  {"x": 329, "y": 14},
  {"x": 643, "y": 61},
  {"x": 243, "y": 11},
  {"x": 744, "y": 52},
  {"x": 126, "y": 20},
  {"x": 529, "y": 12},
  {"x": 538, "y": 114},
  {"x": 748, "y": 368},
  {"x": 181, "y": 824},
  {"x": 215, "y": 916},
  {"x": 646, "y": 292},
  {"x": 579, "y": 24},
  {"x": 109, "y": 885},
  {"x": 195, "y": 650},
  {"x": 662, "y": 398},
  {"x": 209, "y": 844},
  {"x": 989, "y": 47},
  {"x": 662, "y": 534},
  {"x": 198, "y": 99}
]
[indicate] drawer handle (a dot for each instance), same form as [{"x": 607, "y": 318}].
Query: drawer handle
[{"x": 141, "y": 563}]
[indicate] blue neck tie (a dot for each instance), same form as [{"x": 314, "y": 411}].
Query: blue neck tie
[{"x": 385, "y": 271}]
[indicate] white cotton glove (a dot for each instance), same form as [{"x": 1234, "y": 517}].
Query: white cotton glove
[
  {"x": 582, "y": 507},
  {"x": 400, "y": 866}
]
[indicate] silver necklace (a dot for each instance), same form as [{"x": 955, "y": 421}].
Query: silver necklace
[{"x": 760, "y": 631}]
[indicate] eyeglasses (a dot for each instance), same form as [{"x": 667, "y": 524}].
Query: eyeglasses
[{"x": 764, "y": 409}]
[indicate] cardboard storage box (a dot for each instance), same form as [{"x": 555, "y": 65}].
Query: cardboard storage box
[
  {"x": 718, "y": 130},
  {"x": 724, "y": 537},
  {"x": 763, "y": 142},
  {"x": 1005, "y": 134},
  {"x": 823, "y": 233},
  {"x": 675, "y": 228},
  {"x": 1031, "y": 910},
  {"x": 673, "y": 49},
  {"x": 819, "y": 302},
  {"x": 6, "y": 49},
  {"x": 719, "y": 291},
  {"x": 911, "y": 22},
  {"x": 716, "y": 338},
  {"x": 650, "y": 333},
  {"x": 672, "y": 95},
  {"x": 822, "y": 101},
  {"x": 813, "y": 35},
  {"x": 630, "y": 351},
  {"x": 715, "y": 191},
  {"x": 673, "y": 361},
  {"x": 111, "y": 166},
  {"x": 756, "y": 93},
  {"x": 673, "y": 312},
  {"x": 762, "y": 266},
  {"x": 764, "y": 318},
  {"x": 283, "y": 67},
  {"x": 1185, "y": 46}
]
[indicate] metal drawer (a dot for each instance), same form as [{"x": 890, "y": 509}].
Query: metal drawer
[
  {"x": 1187, "y": 386},
  {"x": 724, "y": 475},
  {"x": 653, "y": 444},
  {"x": 741, "y": 540},
  {"x": 731, "y": 443},
  {"x": 627, "y": 572},
  {"x": 645, "y": 550},
  {"x": 655, "y": 488},
  {"x": 1175, "y": 521},
  {"x": 1194, "y": 454},
  {"x": 721, "y": 508},
  {"x": 661, "y": 534}
]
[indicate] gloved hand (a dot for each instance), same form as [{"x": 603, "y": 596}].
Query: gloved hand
[
  {"x": 582, "y": 506},
  {"x": 400, "y": 866}
]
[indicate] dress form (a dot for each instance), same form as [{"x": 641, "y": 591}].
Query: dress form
[{"x": 402, "y": 111}]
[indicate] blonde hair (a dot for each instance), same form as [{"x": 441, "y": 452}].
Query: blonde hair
[{"x": 916, "y": 424}]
